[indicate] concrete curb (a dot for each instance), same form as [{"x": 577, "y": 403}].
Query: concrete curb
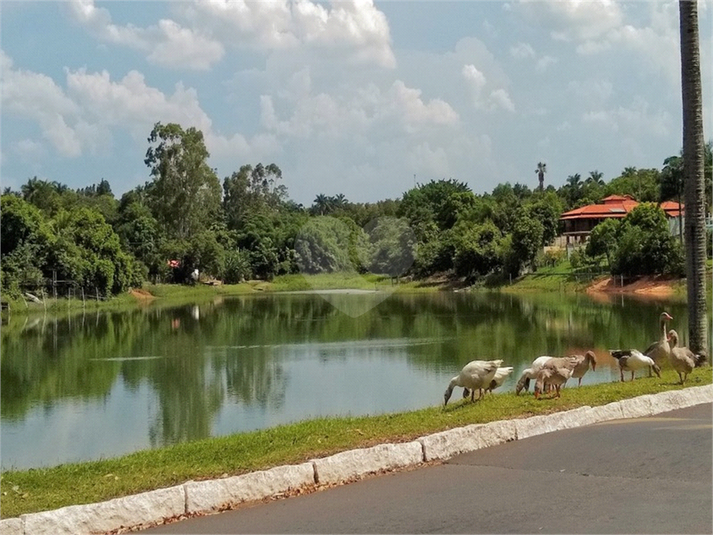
[{"x": 214, "y": 495}]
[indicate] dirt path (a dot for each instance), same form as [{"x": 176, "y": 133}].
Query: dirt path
[{"x": 653, "y": 286}]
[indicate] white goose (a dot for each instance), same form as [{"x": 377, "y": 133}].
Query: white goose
[
  {"x": 530, "y": 373},
  {"x": 632, "y": 360},
  {"x": 476, "y": 375},
  {"x": 500, "y": 375}
]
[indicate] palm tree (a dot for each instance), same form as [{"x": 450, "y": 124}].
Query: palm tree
[
  {"x": 693, "y": 169},
  {"x": 541, "y": 170},
  {"x": 595, "y": 177}
]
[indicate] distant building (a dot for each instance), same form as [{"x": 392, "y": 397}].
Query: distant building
[{"x": 578, "y": 223}]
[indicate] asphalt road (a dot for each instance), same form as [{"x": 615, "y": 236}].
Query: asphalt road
[{"x": 646, "y": 475}]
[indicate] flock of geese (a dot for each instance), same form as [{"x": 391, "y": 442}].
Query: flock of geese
[{"x": 553, "y": 372}]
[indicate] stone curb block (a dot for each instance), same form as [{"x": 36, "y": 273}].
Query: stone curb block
[
  {"x": 610, "y": 411},
  {"x": 446, "y": 444},
  {"x": 547, "y": 423},
  {"x": 353, "y": 464},
  {"x": 131, "y": 511},
  {"x": 12, "y": 526},
  {"x": 217, "y": 494},
  {"x": 679, "y": 399},
  {"x": 638, "y": 406}
]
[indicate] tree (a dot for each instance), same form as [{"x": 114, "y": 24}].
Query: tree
[
  {"x": 693, "y": 170},
  {"x": 645, "y": 245},
  {"x": 603, "y": 239},
  {"x": 595, "y": 177},
  {"x": 541, "y": 170},
  {"x": 251, "y": 191},
  {"x": 672, "y": 185},
  {"x": 185, "y": 193},
  {"x": 526, "y": 238}
]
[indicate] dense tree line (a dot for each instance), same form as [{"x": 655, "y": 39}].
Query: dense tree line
[{"x": 183, "y": 220}]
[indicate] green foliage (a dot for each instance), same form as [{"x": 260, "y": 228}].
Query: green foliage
[
  {"x": 252, "y": 191},
  {"x": 22, "y": 223},
  {"x": 546, "y": 208},
  {"x": 526, "y": 238},
  {"x": 642, "y": 184},
  {"x": 185, "y": 193},
  {"x": 477, "y": 249},
  {"x": 392, "y": 246},
  {"x": 645, "y": 246},
  {"x": 237, "y": 266},
  {"x": 439, "y": 202},
  {"x": 603, "y": 239},
  {"x": 322, "y": 246}
]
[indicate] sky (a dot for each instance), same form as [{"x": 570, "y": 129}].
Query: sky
[{"x": 360, "y": 97}]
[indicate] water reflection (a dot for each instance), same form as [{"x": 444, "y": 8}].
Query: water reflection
[{"x": 103, "y": 384}]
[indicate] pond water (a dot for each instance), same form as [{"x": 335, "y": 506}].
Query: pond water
[{"x": 103, "y": 384}]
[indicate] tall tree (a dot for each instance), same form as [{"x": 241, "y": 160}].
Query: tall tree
[
  {"x": 595, "y": 177},
  {"x": 185, "y": 193},
  {"x": 693, "y": 169},
  {"x": 541, "y": 170},
  {"x": 672, "y": 186}
]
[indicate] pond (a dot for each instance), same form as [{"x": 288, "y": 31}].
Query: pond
[{"x": 103, "y": 384}]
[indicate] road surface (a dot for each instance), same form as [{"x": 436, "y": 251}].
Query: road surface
[{"x": 645, "y": 475}]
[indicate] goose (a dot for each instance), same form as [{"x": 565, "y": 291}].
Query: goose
[
  {"x": 583, "y": 363},
  {"x": 499, "y": 378},
  {"x": 632, "y": 360},
  {"x": 530, "y": 373},
  {"x": 475, "y": 375},
  {"x": 682, "y": 359},
  {"x": 661, "y": 349},
  {"x": 554, "y": 372}
]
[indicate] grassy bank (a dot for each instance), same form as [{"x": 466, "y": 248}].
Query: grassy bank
[
  {"x": 177, "y": 294},
  {"x": 45, "y": 489}
]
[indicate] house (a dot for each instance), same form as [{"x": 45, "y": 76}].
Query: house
[{"x": 578, "y": 223}]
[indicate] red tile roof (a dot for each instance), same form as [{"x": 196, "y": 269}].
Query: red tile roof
[{"x": 616, "y": 206}]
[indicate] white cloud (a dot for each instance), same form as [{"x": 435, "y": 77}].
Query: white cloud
[
  {"x": 544, "y": 62},
  {"x": 575, "y": 20},
  {"x": 166, "y": 44},
  {"x": 366, "y": 108},
  {"x": 354, "y": 30},
  {"x": 474, "y": 77},
  {"x": 522, "y": 51},
  {"x": 633, "y": 121},
  {"x": 34, "y": 95},
  {"x": 82, "y": 118},
  {"x": 501, "y": 99}
]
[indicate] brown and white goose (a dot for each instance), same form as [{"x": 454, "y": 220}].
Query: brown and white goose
[
  {"x": 554, "y": 372},
  {"x": 476, "y": 375},
  {"x": 583, "y": 364},
  {"x": 682, "y": 359},
  {"x": 660, "y": 350},
  {"x": 631, "y": 360},
  {"x": 530, "y": 373}
]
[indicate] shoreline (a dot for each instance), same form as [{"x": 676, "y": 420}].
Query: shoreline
[{"x": 335, "y": 284}]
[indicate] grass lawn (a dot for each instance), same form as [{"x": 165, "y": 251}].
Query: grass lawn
[{"x": 35, "y": 490}]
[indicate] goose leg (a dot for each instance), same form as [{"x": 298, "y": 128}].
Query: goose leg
[
  {"x": 621, "y": 374},
  {"x": 632, "y": 374}
]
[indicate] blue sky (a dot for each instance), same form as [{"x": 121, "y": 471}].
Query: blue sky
[{"x": 354, "y": 97}]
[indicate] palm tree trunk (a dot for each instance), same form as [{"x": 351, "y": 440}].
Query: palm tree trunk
[{"x": 693, "y": 155}]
